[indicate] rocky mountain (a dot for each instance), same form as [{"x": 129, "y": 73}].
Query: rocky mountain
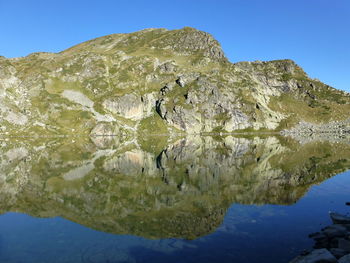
[{"x": 157, "y": 81}]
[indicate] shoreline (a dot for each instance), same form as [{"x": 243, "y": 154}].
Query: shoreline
[{"x": 332, "y": 243}]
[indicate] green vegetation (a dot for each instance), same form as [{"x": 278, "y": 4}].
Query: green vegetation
[
  {"x": 142, "y": 63},
  {"x": 318, "y": 112}
]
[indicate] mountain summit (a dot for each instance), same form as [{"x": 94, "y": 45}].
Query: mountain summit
[{"x": 158, "y": 81}]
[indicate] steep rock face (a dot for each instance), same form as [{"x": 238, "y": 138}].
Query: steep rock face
[
  {"x": 202, "y": 106},
  {"x": 158, "y": 80},
  {"x": 189, "y": 40},
  {"x": 131, "y": 106}
]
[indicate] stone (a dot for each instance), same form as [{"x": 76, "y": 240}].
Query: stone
[
  {"x": 168, "y": 87},
  {"x": 161, "y": 108},
  {"x": 316, "y": 256},
  {"x": 322, "y": 244},
  {"x": 168, "y": 67},
  {"x": 344, "y": 259},
  {"x": 335, "y": 231},
  {"x": 318, "y": 236},
  {"x": 344, "y": 244},
  {"x": 339, "y": 219},
  {"x": 181, "y": 82},
  {"x": 191, "y": 39},
  {"x": 129, "y": 106},
  {"x": 333, "y": 243},
  {"x": 338, "y": 252}
]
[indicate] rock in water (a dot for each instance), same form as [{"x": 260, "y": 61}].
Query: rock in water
[
  {"x": 335, "y": 231},
  {"x": 339, "y": 219},
  {"x": 338, "y": 252},
  {"x": 344, "y": 259},
  {"x": 316, "y": 256},
  {"x": 344, "y": 244}
]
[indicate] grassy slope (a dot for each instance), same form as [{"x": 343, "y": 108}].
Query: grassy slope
[{"x": 113, "y": 75}]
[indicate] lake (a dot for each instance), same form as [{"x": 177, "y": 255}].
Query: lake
[{"x": 194, "y": 199}]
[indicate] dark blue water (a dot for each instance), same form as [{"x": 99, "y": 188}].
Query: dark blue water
[{"x": 249, "y": 233}]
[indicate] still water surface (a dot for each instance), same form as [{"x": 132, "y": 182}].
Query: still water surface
[{"x": 196, "y": 200}]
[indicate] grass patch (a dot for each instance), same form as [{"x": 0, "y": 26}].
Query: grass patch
[{"x": 298, "y": 109}]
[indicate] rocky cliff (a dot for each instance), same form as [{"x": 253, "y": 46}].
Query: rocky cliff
[{"x": 158, "y": 81}]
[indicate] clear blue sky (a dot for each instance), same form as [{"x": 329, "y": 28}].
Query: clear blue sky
[{"x": 314, "y": 33}]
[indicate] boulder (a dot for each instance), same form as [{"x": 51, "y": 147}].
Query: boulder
[
  {"x": 339, "y": 219},
  {"x": 345, "y": 259},
  {"x": 335, "y": 231},
  {"x": 318, "y": 236},
  {"x": 344, "y": 244},
  {"x": 181, "y": 82},
  {"x": 338, "y": 252},
  {"x": 129, "y": 106},
  {"x": 316, "y": 256}
]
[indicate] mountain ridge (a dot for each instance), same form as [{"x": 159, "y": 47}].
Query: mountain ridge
[{"x": 158, "y": 81}]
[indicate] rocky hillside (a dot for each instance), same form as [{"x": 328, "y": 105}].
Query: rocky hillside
[{"x": 158, "y": 81}]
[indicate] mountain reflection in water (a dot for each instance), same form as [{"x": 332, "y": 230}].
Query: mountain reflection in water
[{"x": 182, "y": 191}]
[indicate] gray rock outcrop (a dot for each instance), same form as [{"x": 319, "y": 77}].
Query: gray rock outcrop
[{"x": 157, "y": 79}]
